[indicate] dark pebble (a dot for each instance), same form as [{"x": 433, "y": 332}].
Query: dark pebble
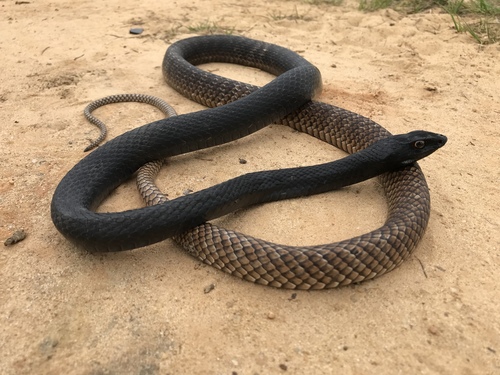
[{"x": 136, "y": 31}]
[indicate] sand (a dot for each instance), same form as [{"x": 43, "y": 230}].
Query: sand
[{"x": 150, "y": 311}]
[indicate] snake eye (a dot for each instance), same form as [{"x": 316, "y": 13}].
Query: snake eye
[{"x": 419, "y": 144}]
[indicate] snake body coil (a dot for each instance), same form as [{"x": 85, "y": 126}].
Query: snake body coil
[{"x": 287, "y": 100}]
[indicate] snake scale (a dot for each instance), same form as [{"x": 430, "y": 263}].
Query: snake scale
[{"x": 239, "y": 109}]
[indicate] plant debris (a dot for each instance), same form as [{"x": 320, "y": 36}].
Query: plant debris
[{"x": 16, "y": 237}]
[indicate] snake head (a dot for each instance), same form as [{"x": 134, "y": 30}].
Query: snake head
[{"x": 405, "y": 149}]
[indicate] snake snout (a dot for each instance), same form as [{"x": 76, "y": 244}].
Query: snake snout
[{"x": 442, "y": 140}]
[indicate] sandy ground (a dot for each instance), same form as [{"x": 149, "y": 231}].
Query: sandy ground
[{"x": 146, "y": 311}]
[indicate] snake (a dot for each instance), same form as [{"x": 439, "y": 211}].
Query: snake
[{"x": 237, "y": 110}]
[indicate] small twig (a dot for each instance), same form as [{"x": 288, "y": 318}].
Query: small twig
[
  {"x": 423, "y": 268},
  {"x": 119, "y": 36}
]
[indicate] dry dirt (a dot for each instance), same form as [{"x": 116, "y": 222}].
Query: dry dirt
[{"x": 146, "y": 311}]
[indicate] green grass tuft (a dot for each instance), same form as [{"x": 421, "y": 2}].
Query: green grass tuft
[
  {"x": 372, "y": 5},
  {"x": 208, "y": 27},
  {"x": 277, "y": 16},
  {"x": 478, "y": 18}
]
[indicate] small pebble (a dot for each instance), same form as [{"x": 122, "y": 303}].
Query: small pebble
[
  {"x": 271, "y": 315},
  {"x": 209, "y": 288},
  {"x": 433, "y": 330},
  {"x": 243, "y": 161},
  {"x": 136, "y": 30}
]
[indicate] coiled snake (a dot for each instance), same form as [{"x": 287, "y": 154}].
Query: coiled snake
[{"x": 286, "y": 99}]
